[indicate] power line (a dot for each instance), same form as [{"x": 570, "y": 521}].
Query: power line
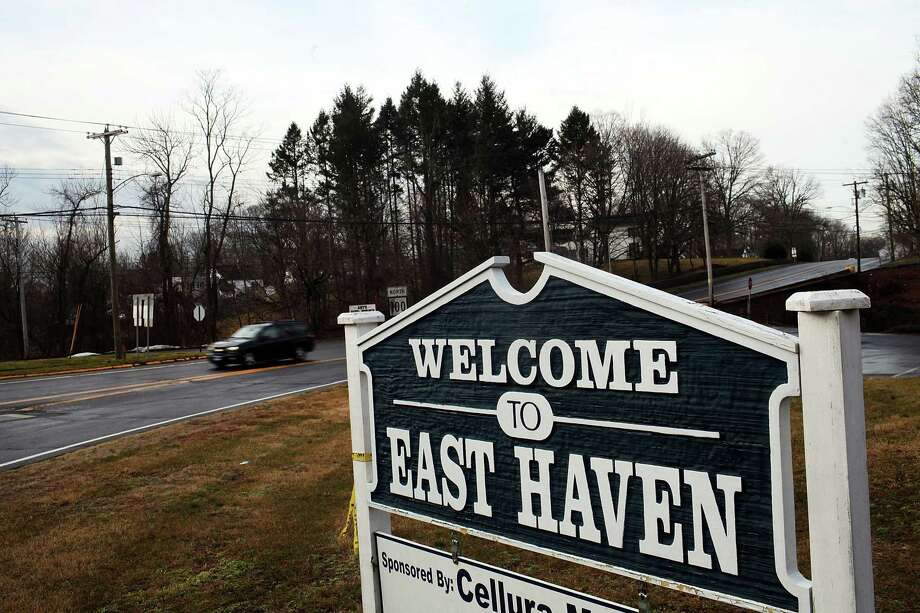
[{"x": 265, "y": 140}]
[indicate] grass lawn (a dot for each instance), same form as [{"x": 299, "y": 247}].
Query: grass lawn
[
  {"x": 52, "y": 365},
  {"x": 240, "y": 512}
]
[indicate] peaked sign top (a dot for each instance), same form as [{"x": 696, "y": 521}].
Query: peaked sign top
[{"x": 718, "y": 323}]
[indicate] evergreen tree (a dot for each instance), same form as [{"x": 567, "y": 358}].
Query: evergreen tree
[
  {"x": 578, "y": 143},
  {"x": 355, "y": 154},
  {"x": 289, "y": 163}
]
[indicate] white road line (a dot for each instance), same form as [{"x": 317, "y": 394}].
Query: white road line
[
  {"x": 165, "y": 422},
  {"x": 594, "y": 423},
  {"x": 906, "y": 372},
  {"x": 111, "y": 371}
]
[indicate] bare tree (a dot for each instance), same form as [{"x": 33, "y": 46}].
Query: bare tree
[
  {"x": 894, "y": 134},
  {"x": 218, "y": 111},
  {"x": 781, "y": 202},
  {"x": 7, "y": 174},
  {"x": 733, "y": 181},
  {"x": 167, "y": 155},
  {"x": 661, "y": 194},
  {"x": 59, "y": 258}
]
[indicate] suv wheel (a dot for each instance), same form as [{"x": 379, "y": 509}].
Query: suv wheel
[
  {"x": 249, "y": 359},
  {"x": 300, "y": 354}
]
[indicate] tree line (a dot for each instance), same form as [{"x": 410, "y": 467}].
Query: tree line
[
  {"x": 413, "y": 192},
  {"x": 894, "y": 137}
]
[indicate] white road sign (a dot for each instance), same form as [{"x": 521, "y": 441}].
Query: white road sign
[
  {"x": 198, "y": 313},
  {"x": 397, "y": 296},
  {"x": 362, "y": 308},
  {"x": 142, "y": 310},
  {"x": 418, "y": 579}
]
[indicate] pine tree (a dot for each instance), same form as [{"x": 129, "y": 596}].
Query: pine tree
[
  {"x": 578, "y": 141},
  {"x": 289, "y": 163}
]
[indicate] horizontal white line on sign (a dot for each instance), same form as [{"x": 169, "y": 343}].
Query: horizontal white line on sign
[
  {"x": 594, "y": 423},
  {"x": 620, "y": 425},
  {"x": 444, "y": 407}
]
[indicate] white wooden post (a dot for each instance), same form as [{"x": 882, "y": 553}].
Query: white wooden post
[
  {"x": 368, "y": 520},
  {"x": 835, "y": 449}
]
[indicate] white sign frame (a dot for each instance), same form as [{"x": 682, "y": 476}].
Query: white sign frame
[{"x": 362, "y": 332}]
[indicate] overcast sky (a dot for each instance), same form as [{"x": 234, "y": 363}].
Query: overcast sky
[{"x": 800, "y": 76}]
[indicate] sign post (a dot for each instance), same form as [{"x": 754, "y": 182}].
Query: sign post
[
  {"x": 750, "y": 289},
  {"x": 604, "y": 422},
  {"x": 367, "y": 520},
  {"x": 835, "y": 449}
]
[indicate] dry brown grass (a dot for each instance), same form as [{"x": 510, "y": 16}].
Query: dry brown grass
[
  {"x": 170, "y": 520},
  {"x": 45, "y": 366}
]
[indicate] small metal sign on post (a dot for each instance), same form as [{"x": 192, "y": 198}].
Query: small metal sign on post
[
  {"x": 198, "y": 312},
  {"x": 750, "y": 289},
  {"x": 362, "y": 308},
  {"x": 142, "y": 314},
  {"x": 398, "y": 299},
  {"x": 604, "y": 422}
]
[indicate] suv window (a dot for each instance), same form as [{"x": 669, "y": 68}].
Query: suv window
[
  {"x": 294, "y": 328},
  {"x": 271, "y": 333}
]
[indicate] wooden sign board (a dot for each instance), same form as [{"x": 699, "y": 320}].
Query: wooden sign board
[
  {"x": 607, "y": 423},
  {"x": 593, "y": 419}
]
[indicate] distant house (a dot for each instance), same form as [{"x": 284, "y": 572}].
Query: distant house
[{"x": 622, "y": 240}]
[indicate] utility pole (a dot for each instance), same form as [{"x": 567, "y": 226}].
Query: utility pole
[
  {"x": 701, "y": 169},
  {"x": 21, "y": 281},
  {"x": 547, "y": 240},
  {"x": 23, "y": 312},
  {"x": 888, "y": 210},
  {"x": 106, "y": 137},
  {"x": 856, "y": 202}
]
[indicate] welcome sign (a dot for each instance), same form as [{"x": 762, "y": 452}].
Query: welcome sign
[{"x": 593, "y": 419}]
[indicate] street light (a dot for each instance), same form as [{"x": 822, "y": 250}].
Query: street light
[
  {"x": 701, "y": 168},
  {"x": 152, "y": 175}
]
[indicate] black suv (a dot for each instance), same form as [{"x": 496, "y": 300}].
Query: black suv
[{"x": 265, "y": 342}]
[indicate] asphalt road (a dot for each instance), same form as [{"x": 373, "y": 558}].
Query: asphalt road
[
  {"x": 42, "y": 417},
  {"x": 896, "y": 355},
  {"x": 45, "y": 416},
  {"x": 772, "y": 279}
]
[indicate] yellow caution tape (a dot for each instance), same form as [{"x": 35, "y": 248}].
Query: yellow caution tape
[
  {"x": 351, "y": 521},
  {"x": 351, "y": 518}
]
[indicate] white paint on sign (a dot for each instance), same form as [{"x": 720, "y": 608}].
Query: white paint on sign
[
  {"x": 418, "y": 579},
  {"x": 198, "y": 312}
]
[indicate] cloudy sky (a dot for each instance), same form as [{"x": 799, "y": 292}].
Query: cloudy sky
[{"x": 801, "y": 77}]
